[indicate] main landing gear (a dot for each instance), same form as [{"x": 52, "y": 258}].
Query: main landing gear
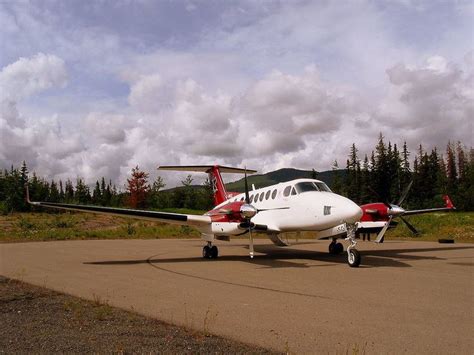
[
  {"x": 353, "y": 255},
  {"x": 210, "y": 251},
  {"x": 335, "y": 247}
]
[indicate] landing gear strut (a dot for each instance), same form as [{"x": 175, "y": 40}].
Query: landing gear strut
[
  {"x": 335, "y": 247},
  {"x": 353, "y": 255},
  {"x": 210, "y": 251}
]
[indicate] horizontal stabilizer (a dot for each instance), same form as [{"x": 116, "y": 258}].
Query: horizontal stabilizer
[{"x": 206, "y": 168}]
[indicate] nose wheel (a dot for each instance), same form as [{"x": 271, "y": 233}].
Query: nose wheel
[
  {"x": 353, "y": 255},
  {"x": 210, "y": 251}
]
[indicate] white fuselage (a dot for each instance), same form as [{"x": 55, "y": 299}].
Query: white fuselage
[{"x": 293, "y": 206}]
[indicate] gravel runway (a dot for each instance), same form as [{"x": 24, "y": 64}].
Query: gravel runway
[{"x": 412, "y": 297}]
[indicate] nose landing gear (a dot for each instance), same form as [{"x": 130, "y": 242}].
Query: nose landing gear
[
  {"x": 353, "y": 255},
  {"x": 210, "y": 251}
]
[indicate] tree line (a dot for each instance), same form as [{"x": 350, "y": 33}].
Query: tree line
[
  {"x": 387, "y": 173},
  {"x": 381, "y": 177},
  {"x": 139, "y": 192}
]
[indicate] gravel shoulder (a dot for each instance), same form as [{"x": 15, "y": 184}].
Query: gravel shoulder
[{"x": 35, "y": 319}]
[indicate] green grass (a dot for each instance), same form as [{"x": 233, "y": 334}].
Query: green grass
[
  {"x": 433, "y": 226},
  {"x": 21, "y": 227}
]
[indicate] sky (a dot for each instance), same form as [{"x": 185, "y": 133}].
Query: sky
[{"x": 95, "y": 88}]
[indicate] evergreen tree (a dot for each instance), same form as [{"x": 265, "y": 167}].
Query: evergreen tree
[
  {"x": 451, "y": 172},
  {"x": 61, "y": 191},
  {"x": 353, "y": 175},
  {"x": 405, "y": 173},
  {"x": 69, "y": 192},
  {"x": 82, "y": 194},
  {"x": 336, "y": 179},
  {"x": 188, "y": 193},
  {"x": 156, "y": 198},
  {"x": 53, "y": 192},
  {"x": 97, "y": 194},
  {"x": 381, "y": 170},
  {"x": 365, "y": 193}
]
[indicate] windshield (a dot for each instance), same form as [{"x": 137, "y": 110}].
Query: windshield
[
  {"x": 322, "y": 186},
  {"x": 305, "y": 187}
]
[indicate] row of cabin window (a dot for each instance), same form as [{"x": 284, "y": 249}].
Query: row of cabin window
[{"x": 260, "y": 196}]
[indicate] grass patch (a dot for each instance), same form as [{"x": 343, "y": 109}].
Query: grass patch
[
  {"x": 433, "y": 226},
  {"x": 22, "y": 227}
]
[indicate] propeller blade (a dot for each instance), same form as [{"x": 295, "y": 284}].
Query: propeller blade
[
  {"x": 381, "y": 235},
  {"x": 250, "y": 242},
  {"x": 271, "y": 209},
  {"x": 410, "y": 226},
  {"x": 405, "y": 193},
  {"x": 247, "y": 198},
  {"x": 385, "y": 202}
]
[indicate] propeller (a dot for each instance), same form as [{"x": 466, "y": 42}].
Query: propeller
[
  {"x": 381, "y": 234},
  {"x": 404, "y": 194},
  {"x": 395, "y": 210}
]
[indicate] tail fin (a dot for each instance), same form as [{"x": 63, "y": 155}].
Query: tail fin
[
  {"x": 448, "y": 202},
  {"x": 214, "y": 171}
]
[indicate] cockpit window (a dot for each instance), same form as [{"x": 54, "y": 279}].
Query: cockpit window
[
  {"x": 322, "y": 186},
  {"x": 293, "y": 191},
  {"x": 305, "y": 187}
]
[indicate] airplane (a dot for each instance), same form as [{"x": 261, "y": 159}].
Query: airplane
[
  {"x": 378, "y": 217},
  {"x": 293, "y": 206}
]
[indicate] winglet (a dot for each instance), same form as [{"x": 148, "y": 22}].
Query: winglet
[
  {"x": 448, "y": 202},
  {"x": 27, "y": 197}
]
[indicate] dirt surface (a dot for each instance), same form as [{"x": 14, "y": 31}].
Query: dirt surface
[
  {"x": 406, "y": 297},
  {"x": 35, "y": 319}
]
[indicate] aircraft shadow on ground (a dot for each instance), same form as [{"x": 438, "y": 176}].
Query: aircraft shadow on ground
[{"x": 269, "y": 256}]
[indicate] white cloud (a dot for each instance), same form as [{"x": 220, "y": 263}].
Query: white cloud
[{"x": 29, "y": 76}]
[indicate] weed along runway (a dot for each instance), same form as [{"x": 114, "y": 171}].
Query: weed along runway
[{"x": 411, "y": 297}]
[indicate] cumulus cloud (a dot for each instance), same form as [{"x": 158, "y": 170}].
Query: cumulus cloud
[
  {"x": 29, "y": 76},
  {"x": 431, "y": 103}
]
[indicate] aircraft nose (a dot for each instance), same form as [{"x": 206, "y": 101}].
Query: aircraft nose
[{"x": 353, "y": 212}]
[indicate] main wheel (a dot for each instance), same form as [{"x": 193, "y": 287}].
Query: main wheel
[
  {"x": 353, "y": 258},
  {"x": 206, "y": 252},
  {"x": 338, "y": 248},
  {"x": 332, "y": 248},
  {"x": 214, "y": 252}
]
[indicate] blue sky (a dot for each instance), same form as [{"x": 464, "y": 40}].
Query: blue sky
[{"x": 92, "y": 88}]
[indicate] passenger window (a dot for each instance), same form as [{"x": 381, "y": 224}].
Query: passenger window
[
  {"x": 293, "y": 191},
  {"x": 267, "y": 195},
  {"x": 287, "y": 190},
  {"x": 262, "y": 196},
  {"x": 274, "y": 194},
  {"x": 251, "y": 199},
  {"x": 256, "y": 198},
  {"x": 241, "y": 199}
]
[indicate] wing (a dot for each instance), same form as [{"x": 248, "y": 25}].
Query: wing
[
  {"x": 428, "y": 210},
  {"x": 173, "y": 218},
  {"x": 449, "y": 207}
]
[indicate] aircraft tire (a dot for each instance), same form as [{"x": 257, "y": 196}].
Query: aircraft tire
[
  {"x": 332, "y": 248},
  {"x": 338, "y": 248},
  {"x": 214, "y": 252},
  {"x": 206, "y": 252},
  {"x": 353, "y": 258}
]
